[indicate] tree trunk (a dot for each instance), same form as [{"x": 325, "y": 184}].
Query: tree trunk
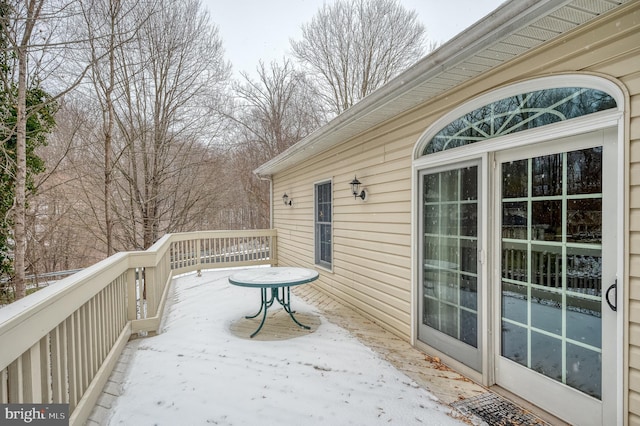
[
  {"x": 108, "y": 137},
  {"x": 20, "y": 234},
  {"x": 34, "y": 8}
]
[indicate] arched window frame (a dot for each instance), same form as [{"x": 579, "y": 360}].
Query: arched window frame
[{"x": 564, "y": 128}]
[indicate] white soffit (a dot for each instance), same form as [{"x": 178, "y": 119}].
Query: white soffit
[{"x": 511, "y": 30}]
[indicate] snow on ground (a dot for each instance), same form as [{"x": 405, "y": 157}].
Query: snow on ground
[{"x": 196, "y": 372}]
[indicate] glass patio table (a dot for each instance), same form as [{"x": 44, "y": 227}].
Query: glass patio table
[{"x": 279, "y": 280}]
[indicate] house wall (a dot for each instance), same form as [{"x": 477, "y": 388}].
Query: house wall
[{"x": 372, "y": 239}]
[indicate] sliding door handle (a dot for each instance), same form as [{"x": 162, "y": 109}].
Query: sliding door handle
[{"x": 614, "y": 287}]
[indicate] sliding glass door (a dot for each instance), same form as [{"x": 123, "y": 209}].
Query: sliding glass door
[
  {"x": 450, "y": 282},
  {"x": 557, "y": 261}
]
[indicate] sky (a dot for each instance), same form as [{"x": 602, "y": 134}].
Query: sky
[
  {"x": 254, "y": 30},
  {"x": 198, "y": 372}
]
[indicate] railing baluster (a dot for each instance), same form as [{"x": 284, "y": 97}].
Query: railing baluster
[
  {"x": 15, "y": 382},
  {"x": 84, "y": 347},
  {"x": 45, "y": 369},
  {"x": 102, "y": 326},
  {"x": 71, "y": 362},
  {"x": 31, "y": 374},
  {"x": 58, "y": 375},
  {"x": 92, "y": 349}
]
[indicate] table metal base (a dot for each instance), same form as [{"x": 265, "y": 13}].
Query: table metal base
[{"x": 284, "y": 299}]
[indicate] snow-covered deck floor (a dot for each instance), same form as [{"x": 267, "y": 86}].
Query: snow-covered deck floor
[{"x": 203, "y": 369}]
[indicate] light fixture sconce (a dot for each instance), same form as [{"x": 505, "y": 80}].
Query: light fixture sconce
[
  {"x": 286, "y": 200},
  {"x": 355, "y": 189}
]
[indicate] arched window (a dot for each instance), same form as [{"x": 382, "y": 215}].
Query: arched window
[{"x": 517, "y": 113}]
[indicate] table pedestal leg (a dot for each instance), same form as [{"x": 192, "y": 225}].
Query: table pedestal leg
[
  {"x": 265, "y": 303},
  {"x": 285, "y": 301}
]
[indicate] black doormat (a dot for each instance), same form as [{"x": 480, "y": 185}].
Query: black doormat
[{"x": 495, "y": 410}]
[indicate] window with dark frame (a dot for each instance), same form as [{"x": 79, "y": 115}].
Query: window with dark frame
[{"x": 323, "y": 230}]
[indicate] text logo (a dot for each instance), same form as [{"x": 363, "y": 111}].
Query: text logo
[{"x": 34, "y": 414}]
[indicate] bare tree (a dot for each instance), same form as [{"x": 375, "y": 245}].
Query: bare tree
[
  {"x": 356, "y": 46},
  {"x": 278, "y": 109},
  {"x": 62, "y": 231},
  {"x": 170, "y": 73},
  {"x": 108, "y": 25},
  {"x": 273, "y": 113},
  {"x": 65, "y": 220}
]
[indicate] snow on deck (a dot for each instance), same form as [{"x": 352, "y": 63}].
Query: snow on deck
[{"x": 201, "y": 370}]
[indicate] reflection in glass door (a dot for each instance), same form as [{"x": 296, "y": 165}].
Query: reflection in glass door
[
  {"x": 551, "y": 248},
  {"x": 449, "y": 276}
]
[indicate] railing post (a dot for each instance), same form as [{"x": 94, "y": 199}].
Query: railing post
[
  {"x": 199, "y": 250},
  {"x": 274, "y": 250},
  {"x": 132, "y": 302},
  {"x": 150, "y": 284}
]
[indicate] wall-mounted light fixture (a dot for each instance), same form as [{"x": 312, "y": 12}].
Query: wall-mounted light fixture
[
  {"x": 355, "y": 189},
  {"x": 286, "y": 200}
]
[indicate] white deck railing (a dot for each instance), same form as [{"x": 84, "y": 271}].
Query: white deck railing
[{"x": 60, "y": 344}]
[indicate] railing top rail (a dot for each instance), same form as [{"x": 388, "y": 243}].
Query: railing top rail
[
  {"x": 222, "y": 234},
  {"x": 161, "y": 245}
]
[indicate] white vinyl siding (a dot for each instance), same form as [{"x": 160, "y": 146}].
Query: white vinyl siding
[{"x": 632, "y": 81}]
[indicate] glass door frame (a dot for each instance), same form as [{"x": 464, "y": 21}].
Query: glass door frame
[
  {"x": 510, "y": 374},
  {"x": 474, "y": 363}
]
